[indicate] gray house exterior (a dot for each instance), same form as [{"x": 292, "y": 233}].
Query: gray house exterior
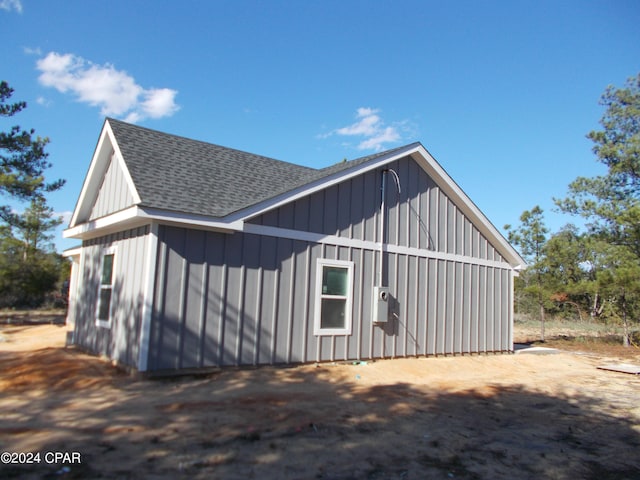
[{"x": 195, "y": 255}]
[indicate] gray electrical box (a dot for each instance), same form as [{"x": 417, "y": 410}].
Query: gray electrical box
[{"x": 380, "y": 304}]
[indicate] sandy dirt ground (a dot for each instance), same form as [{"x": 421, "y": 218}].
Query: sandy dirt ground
[{"x": 553, "y": 416}]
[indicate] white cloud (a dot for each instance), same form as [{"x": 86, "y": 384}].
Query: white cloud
[
  {"x": 43, "y": 101},
  {"x": 32, "y": 51},
  {"x": 9, "y": 5},
  {"x": 369, "y": 125},
  {"x": 114, "y": 91}
]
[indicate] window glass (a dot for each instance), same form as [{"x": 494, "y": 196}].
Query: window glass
[
  {"x": 103, "y": 313},
  {"x": 333, "y": 313},
  {"x": 107, "y": 269},
  {"x": 105, "y": 303},
  {"x": 334, "y": 280}
]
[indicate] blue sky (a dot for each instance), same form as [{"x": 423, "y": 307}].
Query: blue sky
[{"x": 502, "y": 93}]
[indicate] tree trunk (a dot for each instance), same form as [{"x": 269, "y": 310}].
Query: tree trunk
[
  {"x": 541, "y": 322},
  {"x": 625, "y": 336}
]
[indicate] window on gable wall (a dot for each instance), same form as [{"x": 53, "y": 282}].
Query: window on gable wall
[
  {"x": 103, "y": 316},
  {"x": 334, "y": 297}
]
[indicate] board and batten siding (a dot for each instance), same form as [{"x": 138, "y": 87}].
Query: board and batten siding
[
  {"x": 248, "y": 298},
  {"x": 114, "y": 193},
  {"x": 420, "y": 215},
  {"x": 120, "y": 341}
]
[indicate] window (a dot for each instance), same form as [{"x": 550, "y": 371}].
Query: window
[
  {"x": 103, "y": 317},
  {"x": 334, "y": 297}
]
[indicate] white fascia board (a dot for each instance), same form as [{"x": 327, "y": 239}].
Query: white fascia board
[
  {"x": 116, "y": 220},
  {"x": 136, "y": 216},
  {"x": 481, "y": 222},
  {"x": 72, "y": 252},
  {"x": 186, "y": 219},
  {"x": 97, "y": 168},
  {"x": 101, "y": 155}
]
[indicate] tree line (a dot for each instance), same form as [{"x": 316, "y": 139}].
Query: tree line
[
  {"x": 32, "y": 274},
  {"x": 592, "y": 271}
]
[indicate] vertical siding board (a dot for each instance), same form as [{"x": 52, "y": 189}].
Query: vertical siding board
[
  {"x": 113, "y": 194},
  {"x": 432, "y": 305},
  {"x": 341, "y": 342},
  {"x": 498, "y": 312},
  {"x": 194, "y": 251},
  {"x": 358, "y": 304},
  {"x": 311, "y": 340},
  {"x": 393, "y": 330},
  {"x": 412, "y": 308},
  {"x": 371, "y": 205},
  {"x": 466, "y": 315},
  {"x": 459, "y": 308},
  {"x": 251, "y": 299},
  {"x": 299, "y": 314},
  {"x": 366, "y": 302},
  {"x": 344, "y": 218},
  {"x": 204, "y": 298},
  {"x": 421, "y": 299},
  {"x": 302, "y": 215},
  {"x": 460, "y": 237},
  {"x": 490, "y": 319},
  {"x": 232, "y": 300},
  {"x": 173, "y": 298},
  {"x": 285, "y": 300},
  {"x": 450, "y": 305},
  {"x": 215, "y": 285},
  {"x": 158, "y": 305},
  {"x": 330, "y": 209},
  {"x": 483, "y": 308},
  {"x": 356, "y": 203},
  {"x": 268, "y": 264},
  {"x": 441, "y": 305},
  {"x": 274, "y": 314},
  {"x": 317, "y": 212},
  {"x": 475, "y": 308}
]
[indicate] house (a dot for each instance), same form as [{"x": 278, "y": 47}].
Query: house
[{"x": 195, "y": 255}]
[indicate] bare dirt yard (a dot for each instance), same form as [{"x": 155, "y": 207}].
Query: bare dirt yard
[{"x": 553, "y": 416}]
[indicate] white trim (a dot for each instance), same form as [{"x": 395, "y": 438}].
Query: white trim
[
  {"x": 100, "y": 161},
  {"x": 99, "y": 322},
  {"x": 317, "y": 329},
  {"x": 135, "y": 216},
  {"x": 72, "y": 252},
  {"x": 147, "y": 307},
  {"x": 368, "y": 245},
  {"x": 96, "y": 227}
]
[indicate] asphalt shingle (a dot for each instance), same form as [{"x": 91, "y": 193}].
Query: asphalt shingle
[{"x": 189, "y": 176}]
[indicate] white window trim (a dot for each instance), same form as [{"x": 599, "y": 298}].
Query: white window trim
[
  {"x": 321, "y": 263},
  {"x": 105, "y": 252}
]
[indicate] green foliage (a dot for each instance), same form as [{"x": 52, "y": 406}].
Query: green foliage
[
  {"x": 596, "y": 271},
  {"x": 611, "y": 202},
  {"x": 530, "y": 238},
  {"x": 23, "y": 159},
  {"x": 29, "y": 268}
]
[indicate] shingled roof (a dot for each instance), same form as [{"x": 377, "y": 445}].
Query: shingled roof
[{"x": 189, "y": 176}]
